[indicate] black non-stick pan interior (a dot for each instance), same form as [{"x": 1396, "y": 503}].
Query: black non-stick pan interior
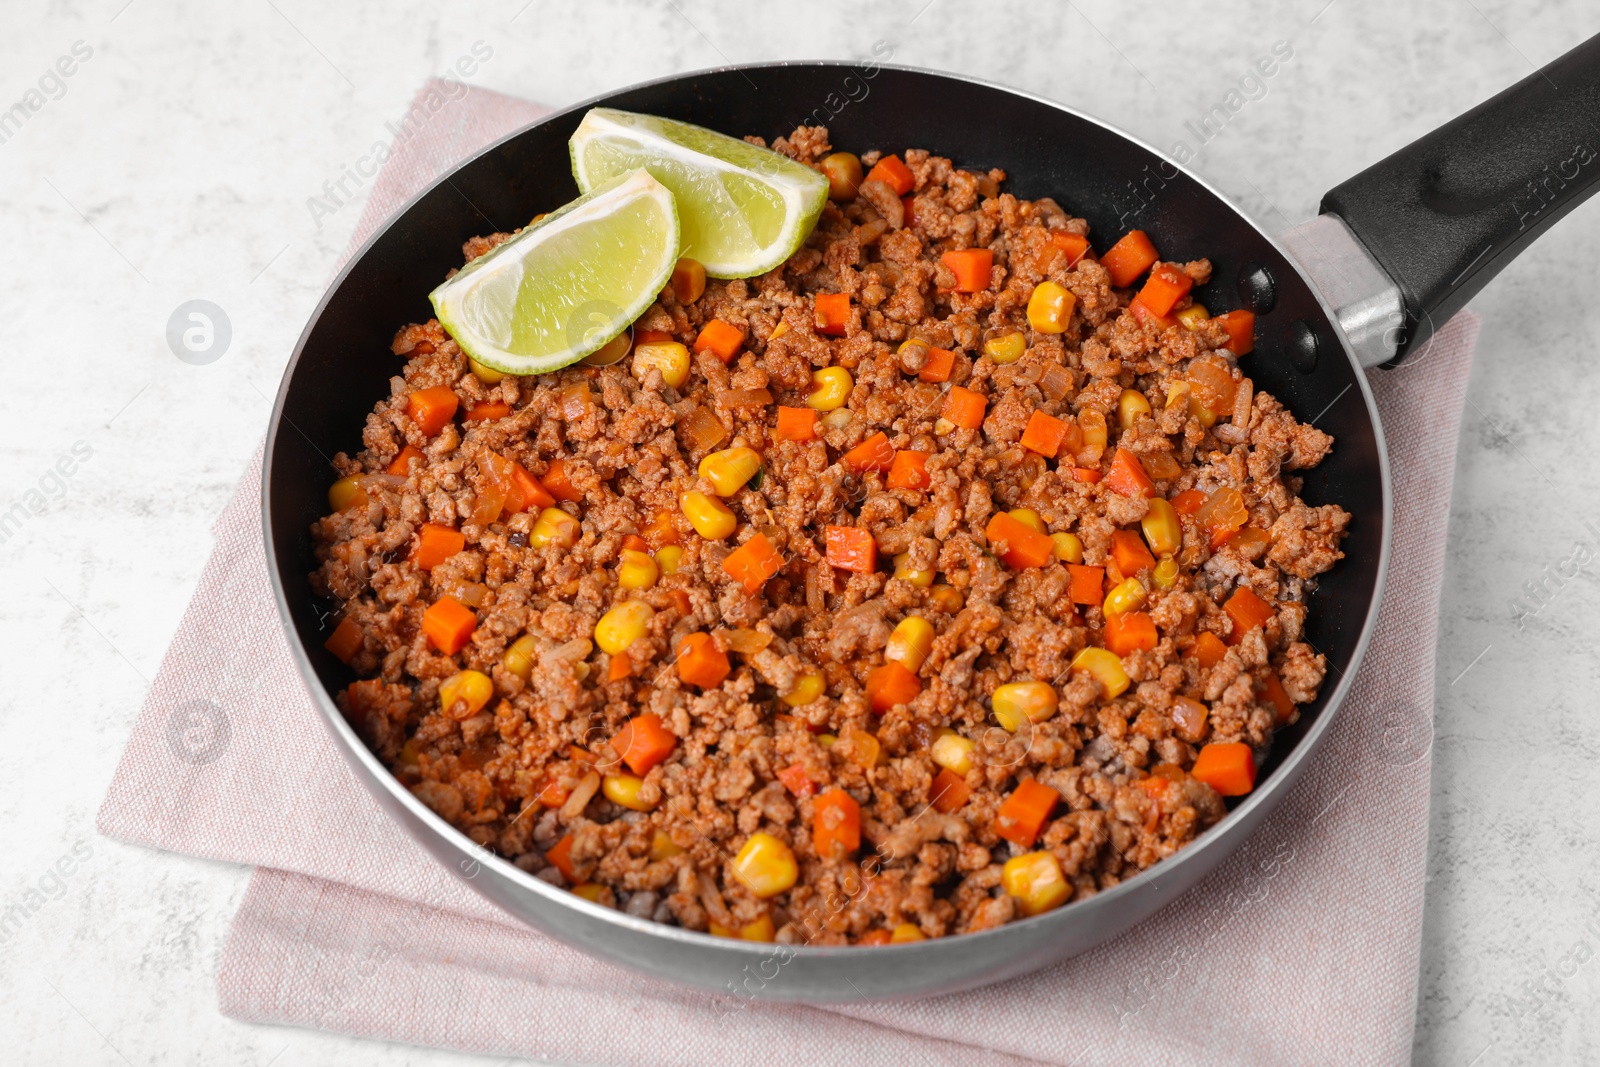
[{"x": 344, "y": 363}]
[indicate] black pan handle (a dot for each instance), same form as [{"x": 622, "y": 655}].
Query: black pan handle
[{"x": 1447, "y": 212}]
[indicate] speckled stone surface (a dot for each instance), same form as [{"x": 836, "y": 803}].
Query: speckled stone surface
[{"x": 179, "y": 160}]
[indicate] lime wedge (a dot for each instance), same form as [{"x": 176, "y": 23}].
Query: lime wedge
[
  {"x": 744, "y": 209},
  {"x": 566, "y": 285}
]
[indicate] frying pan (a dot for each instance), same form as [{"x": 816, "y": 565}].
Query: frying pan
[{"x": 1398, "y": 249}]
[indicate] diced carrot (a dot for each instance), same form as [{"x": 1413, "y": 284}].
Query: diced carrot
[
  {"x": 950, "y": 791},
  {"x": 891, "y": 684},
  {"x": 701, "y": 662},
  {"x": 1247, "y": 610},
  {"x": 723, "y": 338},
  {"x": 909, "y": 205},
  {"x": 796, "y": 424},
  {"x": 1025, "y": 812},
  {"x": 1271, "y": 687},
  {"x": 836, "y": 826},
  {"x": 1164, "y": 288},
  {"x": 345, "y": 641},
  {"x": 643, "y": 742},
  {"x": 448, "y": 624},
  {"x": 941, "y": 361},
  {"x": 891, "y": 171},
  {"x": 560, "y": 857},
  {"x": 1088, "y": 584},
  {"x": 1227, "y": 767},
  {"x": 1129, "y": 631},
  {"x": 494, "y": 409},
  {"x": 972, "y": 268},
  {"x": 1208, "y": 649},
  {"x": 964, "y": 408},
  {"x": 797, "y": 781},
  {"x": 1129, "y": 257},
  {"x": 435, "y": 544},
  {"x": 832, "y": 313},
  {"x": 1241, "y": 327},
  {"x": 752, "y": 563},
  {"x": 552, "y": 794},
  {"x": 1188, "y": 502},
  {"x": 402, "y": 462},
  {"x": 661, "y": 531},
  {"x": 650, "y": 337},
  {"x": 1130, "y": 553},
  {"x": 1044, "y": 434},
  {"x": 1146, "y": 314},
  {"x": 850, "y": 548},
  {"x": 909, "y": 470},
  {"x": 1025, "y": 546},
  {"x": 621, "y": 667},
  {"x": 880, "y": 936},
  {"x": 1062, "y": 242},
  {"x": 526, "y": 492},
  {"x": 680, "y": 600},
  {"x": 873, "y": 454},
  {"x": 635, "y": 543},
  {"x": 1128, "y": 476},
  {"x": 556, "y": 483},
  {"x": 431, "y": 408},
  {"x": 1086, "y": 474}
]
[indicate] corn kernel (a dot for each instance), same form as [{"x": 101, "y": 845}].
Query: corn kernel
[
  {"x": 1127, "y": 596},
  {"x": 470, "y": 688},
  {"x": 408, "y": 753},
  {"x": 843, "y": 171},
  {"x": 1035, "y": 879},
  {"x": 1162, "y": 528},
  {"x": 760, "y": 929},
  {"x": 709, "y": 516},
  {"x": 624, "y": 789},
  {"x": 1029, "y": 518},
  {"x": 610, "y": 352},
  {"x": 1093, "y": 425},
  {"x": 590, "y": 891},
  {"x": 1066, "y": 547},
  {"x": 827, "y": 740},
  {"x": 906, "y": 572},
  {"x": 716, "y": 929},
  {"x": 1050, "y": 307},
  {"x": 688, "y": 280},
  {"x": 519, "y": 657},
  {"x": 807, "y": 687},
  {"x": 668, "y": 357},
  {"x": 553, "y": 527},
  {"x": 623, "y": 625},
  {"x": 486, "y": 375},
  {"x": 1006, "y": 347},
  {"x": 1178, "y": 395},
  {"x": 1106, "y": 667},
  {"x": 663, "y": 847},
  {"x": 906, "y": 932},
  {"x": 637, "y": 570},
  {"x": 1016, "y": 701},
  {"x": 947, "y": 598},
  {"x": 730, "y": 469},
  {"x": 342, "y": 493},
  {"x": 1193, "y": 315},
  {"x": 1130, "y": 405},
  {"x": 669, "y": 558},
  {"x": 765, "y": 865},
  {"x": 832, "y": 387},
  {"x": 952, "y": 752},
  {"x": 1166, "y": 573},
  {"x": 910, "y": 643}
]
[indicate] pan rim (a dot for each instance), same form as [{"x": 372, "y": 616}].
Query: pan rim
[{"x": 1291, "y": 765}]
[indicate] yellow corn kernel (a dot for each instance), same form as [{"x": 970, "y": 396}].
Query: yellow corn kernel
[
  {"x": 765, "y": 865},
  {"x": 553, "y": 527},
  {"x": 1035, "y": 879},
  {"x": 1016, "y": 701},
  {"x": 486, "y": 375},
  {"x": 709, "y": 516},
  {"x": 759, "y": 930},
  {"x": 1029, "y": 518},
  {"x": 716, "y": 929},
  {"x": 1178, "y": 393},
  {"x": 1050, "y": 307},
  {"x": 1066, "y": 547},
  {"x": 1166, "y": 573},
  {"x": 1106, "y": 667},
  {"x": 807, "y": 687},
  {"x": 906, "y": 572},
  {"x": 1093, "y": 425},
  {"x": 947, "y": 598},
  {"x": 408, "y": 753},
  {"x": 1162, "y": 528},
  {"x": 590, "y": 891},
  {"x": 342, "y": 493},
  {"x": 906, "y": 932},
  {"x": 1193, "y": 315},
  {"x": 1130, "y": 405},
  {"x": 637, "y": 570},
  {"x": 688, "y": 280},
  {"x": 910, "y": 643},
  {"x": 952, "y": 752},
  {"x": 663, "y": 847},
  {"x": 623, "y": 625},
  {"x": 866, "y": 751},
  {"x": 473, "y": 688},
  {"x": 624, "y": 789},
  {"x": 827, "y": 740},
  {"x": 843, "y": 171},
  {"x": 669, "y": 558},
  {"x": 610, "y": 352},
  {"x": 729, "y": 469},
  {"x": 778, "y": 331},
  {"x": 1126, "y": 596},
  {"x": 519, "y": 657},
  {"x": 1007, "y": 347},
  {"x": 832, "y": 387},
  {"x": 668, "y": 357}
]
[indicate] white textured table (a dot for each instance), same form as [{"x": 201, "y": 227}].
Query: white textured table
[{"x": 178, "y": 160}]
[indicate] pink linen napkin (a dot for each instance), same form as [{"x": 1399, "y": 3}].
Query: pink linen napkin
[{"x": 1301, "y": 948}]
